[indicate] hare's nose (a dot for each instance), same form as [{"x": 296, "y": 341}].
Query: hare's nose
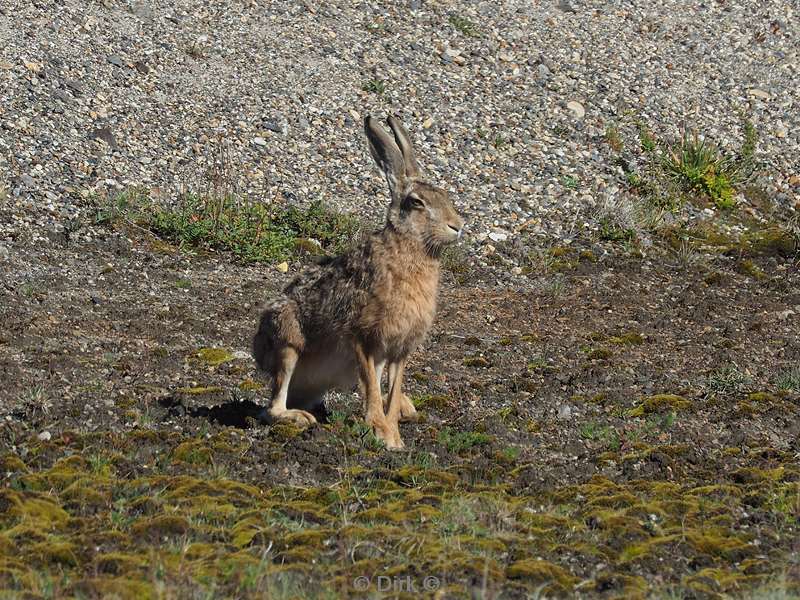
[{"x": 454, "y": 228}]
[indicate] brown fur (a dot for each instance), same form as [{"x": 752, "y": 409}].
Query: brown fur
[{"x": 338, "y": 323}]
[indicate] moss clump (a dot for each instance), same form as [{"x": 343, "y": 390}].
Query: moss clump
[
  {"x": 285, "y": 431},
  {"x": 631, "y": 338},
  {"x": 540, "y": 572},
  {"x": 748, "y": 475},
  {"x": 87, "y": 495},
  {"x": 751, "y": 269},
  {"x": 161, "y": 526},
  {"x": 659, "y": 403},
  {"x": 762, "y": 398},
  {"x": 773, "y": 242},
  {"x": 54, "y": 552},
  {"x": 644, "y": 550},
  {"x": 11, "y": 463},
  {"x": 599, "y": 353},
  {"x": 196, "y": 452},
  {"x": 213, "y": 356},
  {"x": 710, "y": 582},
  {"x": 718, "y": 544},
  {"x": 476, "y": 361},
  {"x": 31, "y": 509},
  {"x": 118, "y": 563},
  {"x": 245, "y": 530},
  {"x": 109, "y": 587},
  {"x": 434, "y": 401},
  {"x": 248, "y": 385},
  {"x": 201, "y": 390}
]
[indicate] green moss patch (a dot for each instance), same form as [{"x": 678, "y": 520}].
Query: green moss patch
[
  {"x": 660, "y": 403},
  {"x": 213, "y": 356}
]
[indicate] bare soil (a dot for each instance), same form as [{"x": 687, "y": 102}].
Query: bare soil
[{"x": 616, "y": 427}]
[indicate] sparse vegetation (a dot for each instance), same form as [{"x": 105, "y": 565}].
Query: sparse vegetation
[
  {"x": 252, "y": 231},
  {"x": 701, "y": 168},
  {"x": 374, "y": 86},
  {"x": 460, "y": 441},
  {"x": 789, "y": 379},
  {"x": 728, "y": 378},
  {"x": 464, "y": 26}
]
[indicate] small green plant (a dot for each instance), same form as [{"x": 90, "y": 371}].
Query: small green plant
[
  {"x": 789, "y": 380},
  {"x": 459, "y": 441},
  {"x": 464, "y": 26},
  {"x": 646, "y": 139},
  {"x": 570, "y": 182},
  {"x": 510, "y": 454},
  {"x": 613, "y": 232},
  {"x": 374, "y": 86},
  {"x": 613, "y": 138},
  {"x": 499, "y": 142},
  {"x": 701, "y": 168},
  {"x": 363, "y": 432},
  {"x": 728, "y": 378},
  {"x": 604, "y": 434}
]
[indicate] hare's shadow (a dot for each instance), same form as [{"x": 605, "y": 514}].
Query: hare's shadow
[{"x": 240, "y": 413}]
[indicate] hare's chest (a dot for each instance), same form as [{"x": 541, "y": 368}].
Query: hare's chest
[{"x": 406, "y": 312}]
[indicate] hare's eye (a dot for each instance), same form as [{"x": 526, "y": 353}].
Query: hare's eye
[{"x": 415, "y": 202}]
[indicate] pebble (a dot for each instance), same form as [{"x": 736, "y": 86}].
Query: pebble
[
  {"x": 758, "y": 93},
  {"x": 116, "y": 60},
  {"x": 501, "y": 131},
  {"x": 45, "y": 436},
  {"x": 577, "y": 109},
  {"x": 565, "y": 412}
]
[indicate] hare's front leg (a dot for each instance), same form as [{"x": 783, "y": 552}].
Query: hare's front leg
[
  {"x": 286, "y": 362},
  {"x": 369, "y": 383},
  {"x": 398, "y": 406}
]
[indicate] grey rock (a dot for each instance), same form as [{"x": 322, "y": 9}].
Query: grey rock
[
  {"x": 276, "y": 126},
  {"x": 544, "y": 72},
  {"x": 116, "y": 60},
  {"x": 105, "y": 134}
]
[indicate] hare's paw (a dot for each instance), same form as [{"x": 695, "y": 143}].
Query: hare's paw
[
  {"x": 407, "y": 410},
  {"x": 298, "y": 417},
  {"x": 387, "y": 432}
]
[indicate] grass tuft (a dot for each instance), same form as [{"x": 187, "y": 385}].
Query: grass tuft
[
  {"x": 251, "y": 231},
  {"x": 374, "y": 86},
  {"x": 701, "y": 167}
]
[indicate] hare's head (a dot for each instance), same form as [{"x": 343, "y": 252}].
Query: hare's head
[{"x": 418, "y": 209}]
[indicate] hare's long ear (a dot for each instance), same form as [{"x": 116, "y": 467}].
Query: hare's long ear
[
  {"x": 386, "y": 154},
  {"x": 404, "y": 143}
]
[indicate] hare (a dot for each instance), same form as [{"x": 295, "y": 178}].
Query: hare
[{"x": 340, "y": 323}]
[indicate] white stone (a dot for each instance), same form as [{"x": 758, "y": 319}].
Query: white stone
[{"x": 576, "y": 108}]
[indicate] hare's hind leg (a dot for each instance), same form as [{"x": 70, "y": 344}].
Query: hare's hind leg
[
  {"x": 286, "y": 361},
  {"x": 276, "y": 349},
  {"x": 371, "y": 392},
  {"x": 398, "y": 406}
]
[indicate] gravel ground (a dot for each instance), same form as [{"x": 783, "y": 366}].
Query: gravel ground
[{"x": 506, "y": 99}]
